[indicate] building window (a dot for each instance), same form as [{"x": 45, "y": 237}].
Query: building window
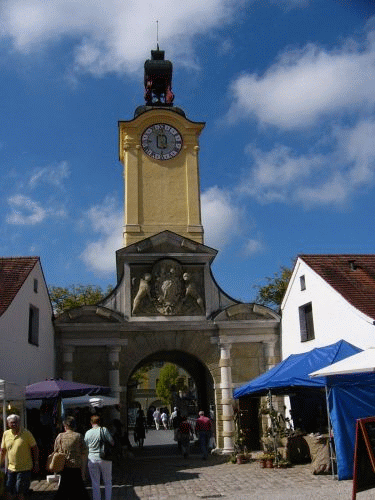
[
  {"x": 306, "y": 322},
  {"x": 33, "y": 325},
  {"x": 36, "y": 286},
  {"x": 302, "y": 282}
]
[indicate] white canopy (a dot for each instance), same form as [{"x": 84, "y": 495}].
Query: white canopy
[
  {"x": 94, "y": 401},
  {"x": 361, "y": 362},
  {"x": 79, "y": 401}
]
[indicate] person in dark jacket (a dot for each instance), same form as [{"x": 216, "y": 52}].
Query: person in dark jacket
[{"x": 140, "y": 428}]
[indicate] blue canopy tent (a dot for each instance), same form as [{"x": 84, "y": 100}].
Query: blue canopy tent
[
  {"x": 293, "y": 372},
  {"x": 292, "y": 376},
  {"x": 351, "y": 396}
]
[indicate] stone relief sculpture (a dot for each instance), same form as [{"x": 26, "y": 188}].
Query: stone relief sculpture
[
  {"x": 168, "y": 285},
  {"x": 169, "y": 290},
  {"x": 191, "y": 291},
  {"x": 144, "y": 290}
]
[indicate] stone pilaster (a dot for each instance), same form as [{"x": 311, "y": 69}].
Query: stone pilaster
[
  {"x": 68, "y": 352},
  {"x": 114, "y": 370},
  {"x": 226, "y": 398}
]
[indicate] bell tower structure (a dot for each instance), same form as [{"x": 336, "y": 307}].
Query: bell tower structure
[{"x": 159, "y": 151}]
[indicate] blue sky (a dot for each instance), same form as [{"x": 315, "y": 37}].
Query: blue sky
[{"x": 287, "y": 159}]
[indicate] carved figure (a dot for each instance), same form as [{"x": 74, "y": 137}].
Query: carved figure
[
  {"x": 143, "y": 291},
  {"x": 191, "y": 290}
]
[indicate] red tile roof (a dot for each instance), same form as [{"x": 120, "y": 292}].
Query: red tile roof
[
  {"x": 351, "y": 275},
  {"x": 13, "y": 273}
]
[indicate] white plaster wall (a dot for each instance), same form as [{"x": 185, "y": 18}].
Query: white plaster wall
[
  {"x": 334, "y": 318},
  {"x": 20, "y": 361}
]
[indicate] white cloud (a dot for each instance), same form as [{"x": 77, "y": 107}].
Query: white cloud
[
  {"x": 25, "y": 211},
  {"x": 308, "y": 84},
  {"x": 330, "y": 178},
  {"x": 53, "y": 175},
  {"x": 221, "y": 218},
  {"x": 253, "y": 246},
  {"x": 108, "y": 221},
  {"x": 111, "y": 35}
]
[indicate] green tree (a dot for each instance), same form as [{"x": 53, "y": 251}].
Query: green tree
[
  {"x": 273, "y": 292},
  {"x": 140, "y": 375},
  {"x": 168, "y": 380},
  {"x": 65, "y": 298}
]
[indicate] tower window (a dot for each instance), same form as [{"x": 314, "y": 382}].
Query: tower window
[
  {"x": 33, "y": 325},
  {"x": 306, "y": 322}
]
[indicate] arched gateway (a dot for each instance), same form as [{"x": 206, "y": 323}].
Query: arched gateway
[{"x": 167, "y": 305}]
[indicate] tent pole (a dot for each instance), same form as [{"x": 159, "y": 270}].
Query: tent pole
[
  {"x": 272, "y": 426},
  {"x": 4, "y": 408},
  {"x": 331, "y": 458}
]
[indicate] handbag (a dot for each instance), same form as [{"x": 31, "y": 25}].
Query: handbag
[
  {"x": 106, "y": 448},
  {"x": 56, "y": 461}
]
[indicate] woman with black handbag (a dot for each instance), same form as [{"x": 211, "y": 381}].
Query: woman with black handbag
[{"x": 99, "y": 440}]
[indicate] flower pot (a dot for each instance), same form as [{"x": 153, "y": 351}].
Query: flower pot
[
  {"x": 241, "y": 459},
  {"x": 269, "y": 463},
  {"x": 262, "y": 463}
]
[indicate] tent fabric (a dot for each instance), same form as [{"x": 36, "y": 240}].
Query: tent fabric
[
  {"x": 293, "y": 372},
  {"x": 55, "y": 388},
  {"x": 78, "y": 401},
  {"x": 362, "y": 362},
  {"x": 350, "y": 397}
]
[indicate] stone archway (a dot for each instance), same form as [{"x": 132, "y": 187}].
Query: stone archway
[
  {"x": 196, "y": 370},
  {"x": 179, "y": 311}
]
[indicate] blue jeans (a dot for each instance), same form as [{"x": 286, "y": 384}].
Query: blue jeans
[
  {"x": 204, "y": 438},
  {"x": 18, "y": 482}
]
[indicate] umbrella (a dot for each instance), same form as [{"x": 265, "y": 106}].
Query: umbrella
[{"x": 55, "y": 388}]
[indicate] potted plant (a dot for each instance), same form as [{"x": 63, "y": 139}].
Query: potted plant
[
  {"x": 283, "y": 464},
  {"x": 266, "y": 460}
]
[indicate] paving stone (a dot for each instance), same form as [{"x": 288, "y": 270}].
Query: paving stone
[{"x": 149, "y": 478}]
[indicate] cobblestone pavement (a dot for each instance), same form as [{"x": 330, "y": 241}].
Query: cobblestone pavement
[{"x": 158, "y": 473}]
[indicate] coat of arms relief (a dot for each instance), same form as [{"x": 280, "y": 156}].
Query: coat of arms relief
[{"x": 168, "y": 289}]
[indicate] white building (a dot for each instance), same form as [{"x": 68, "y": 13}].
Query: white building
[
  {"x": 26, "y": 324},
  {"x": 329, "y": 298}
]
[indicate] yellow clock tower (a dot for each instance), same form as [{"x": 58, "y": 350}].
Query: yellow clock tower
[{"x": 159, "y": 150}]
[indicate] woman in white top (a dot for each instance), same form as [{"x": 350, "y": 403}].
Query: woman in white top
[{"x": 96, "y": 465}]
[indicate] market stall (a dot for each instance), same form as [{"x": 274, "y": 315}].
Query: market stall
[
  {"x": 350, "y": 387},
  {"x": 291, "y": 378}
]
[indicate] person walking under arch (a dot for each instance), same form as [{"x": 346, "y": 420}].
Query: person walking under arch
[
  {"x": 164, "y": 419},
  {"x": 203, "y": 430},
  {"x": 156, "y": 416},
  {"x": 140, "y": 428},
  {"x": 185, "y": 433}
]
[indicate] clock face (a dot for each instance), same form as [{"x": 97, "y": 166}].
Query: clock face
[{"x": 161, "y": 141}]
